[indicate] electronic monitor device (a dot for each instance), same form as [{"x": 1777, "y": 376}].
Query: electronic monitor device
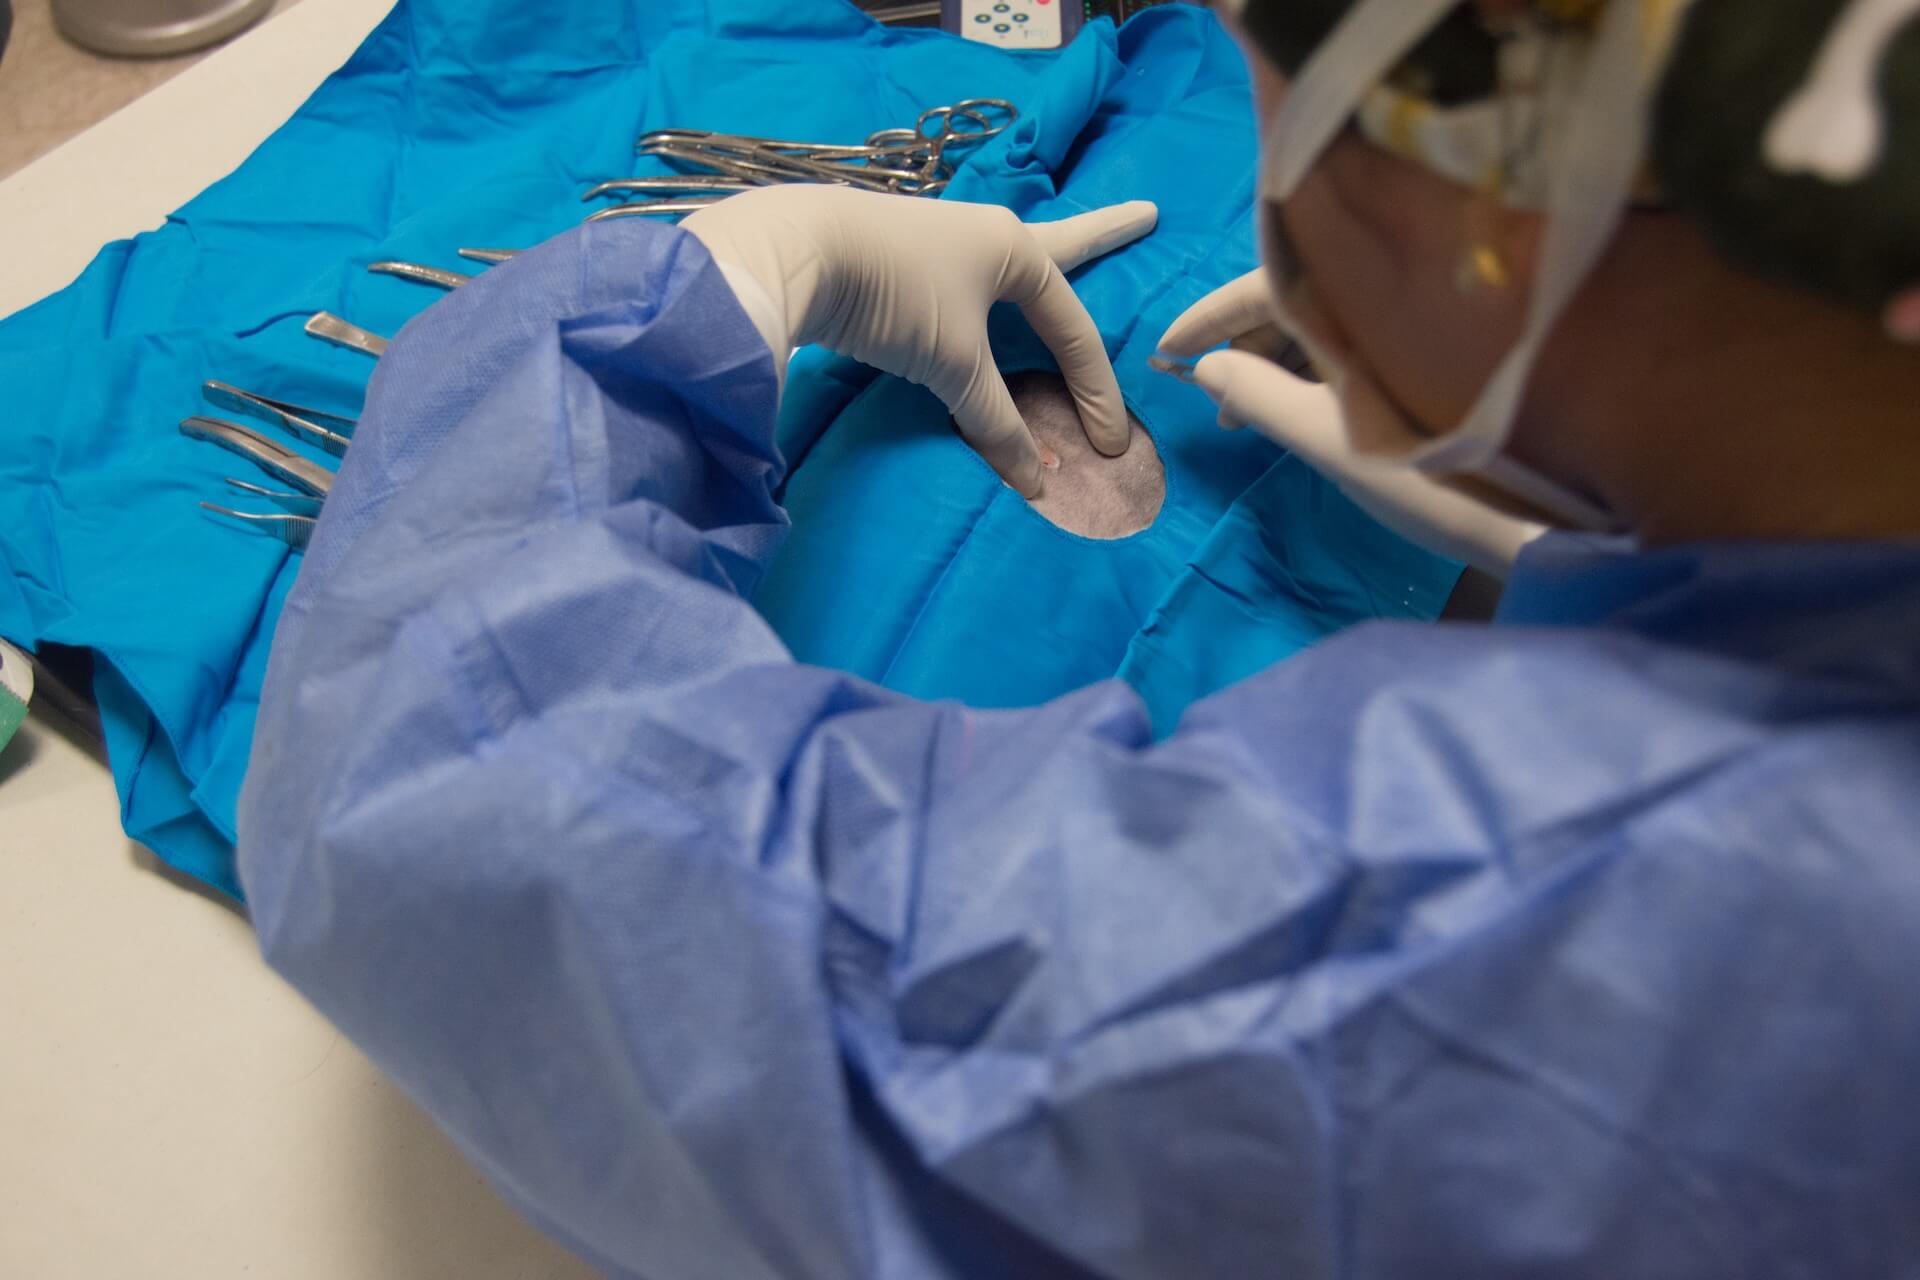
[{"x": 1014, "y": 24}]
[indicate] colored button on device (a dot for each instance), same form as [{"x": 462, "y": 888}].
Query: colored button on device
[{"x": 1001, "y": 27}]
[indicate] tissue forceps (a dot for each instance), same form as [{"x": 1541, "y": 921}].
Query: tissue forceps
[
  {"x": 298, "y": 504},
  {"x": 330, "y": 431},
  {"x": 294, "y": 530}
]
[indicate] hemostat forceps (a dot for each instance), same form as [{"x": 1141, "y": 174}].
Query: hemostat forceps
[
  {"x": 330, "y": 431},
  {"x": 687, "y": 205},
  {"x": 272, "y": 457},
  {"x": 905, "y": 161},
  {"x": 329, "y": 327},
  {"x": 309, "y": 480}
]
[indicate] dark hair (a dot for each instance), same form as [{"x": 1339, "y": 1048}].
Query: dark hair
[
  {"x": 1733, "y": 66},
  {"x": 1455, "y": 63}
]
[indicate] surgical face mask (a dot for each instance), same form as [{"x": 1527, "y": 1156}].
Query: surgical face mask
[{"x": 1587, "y": 123}]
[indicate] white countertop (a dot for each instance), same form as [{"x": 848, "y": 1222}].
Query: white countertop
[{"x": 169, "y": 1108}]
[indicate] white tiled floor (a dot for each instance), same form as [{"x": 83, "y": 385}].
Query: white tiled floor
[{"x": 51, "y": 90}]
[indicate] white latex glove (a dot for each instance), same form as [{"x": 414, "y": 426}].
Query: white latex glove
[
  {"x": 904, "y": 284},
  {"x": 1305, "y": 417}
]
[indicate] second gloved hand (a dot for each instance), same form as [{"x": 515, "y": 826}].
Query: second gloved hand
[
  {"x": 1306, "y": 418},
  {"x": 905, "y": 284}
]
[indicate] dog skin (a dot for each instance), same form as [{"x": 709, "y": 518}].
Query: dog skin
[{"x": 1088, "y": 493}]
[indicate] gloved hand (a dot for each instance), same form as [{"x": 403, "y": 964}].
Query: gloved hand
[
  {"x": 904, "y": 284},
  {"x": 1306, "y": 418}
]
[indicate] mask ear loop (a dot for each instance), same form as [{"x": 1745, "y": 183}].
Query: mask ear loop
[
  {"x": 1599, "y": 158},
  {"x": 1371, "y": 39},
  {"x": 1528, "y": 61}
]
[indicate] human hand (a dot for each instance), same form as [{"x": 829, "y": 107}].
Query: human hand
[
  {"x": 1305, "y": 417},
  {"x": 904, "y": 284}
]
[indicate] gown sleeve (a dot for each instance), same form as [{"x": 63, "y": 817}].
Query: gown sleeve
[{"x": 720, "y": 965}]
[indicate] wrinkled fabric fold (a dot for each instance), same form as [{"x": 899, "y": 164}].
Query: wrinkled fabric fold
[
  {"x": 1573, "y": 946},
  {"x": 479, "y": 125}
]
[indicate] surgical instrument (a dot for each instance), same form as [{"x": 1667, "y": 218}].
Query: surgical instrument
[
  {"x": 883, "y": 144},
  {"x": 761, "y": 167},
  {"x": 310, "y": 481},
  {"x": 677, "y": 184},
  {"x": 486, "y": 255},
  {"x": 295, "y": 530},
  {"x": 329, "y": 327},
  {"x": 417, "y": 272},
  {"x": 665, "y": 207},
  {"x": 905, "y": 161},
  {"x": 276, "y": 459},
  {"x": 330, "y": 431},
  {"x": 294, "y": 503}
]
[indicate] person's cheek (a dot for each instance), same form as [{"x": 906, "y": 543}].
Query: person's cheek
[
  {"x": 1382, "y": 242},
  {"x": 1339, "y": 275}
]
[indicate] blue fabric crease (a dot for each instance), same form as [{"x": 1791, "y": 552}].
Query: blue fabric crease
[
  {"x": 1430, "y": 950},
  {"x": 478, "y": 125}
]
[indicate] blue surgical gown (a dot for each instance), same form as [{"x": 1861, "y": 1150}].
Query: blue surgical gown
[{"x": 1581, "y": 945}]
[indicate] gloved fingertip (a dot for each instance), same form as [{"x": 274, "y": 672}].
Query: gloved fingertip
[
  {"x": 1020, "y": 465},
  {"x": 1142, "y": 215},
  {"x": 1187, "y": 336},
  {"x": 1111, "y": 442},
  {"x": 1213, "y": 372},
  {"x": 1175, "y": 364},
  {"x": 1086, "y": 236}
]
